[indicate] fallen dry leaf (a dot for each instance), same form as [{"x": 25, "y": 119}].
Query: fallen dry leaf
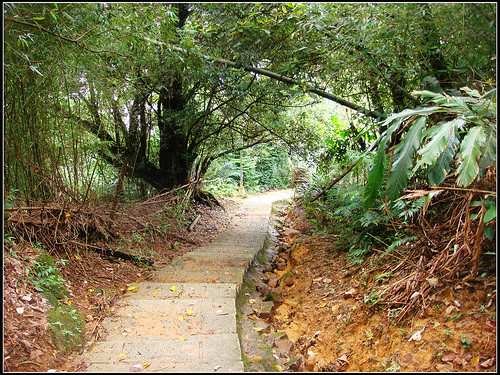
[
  {"x": 417, "y": 336},
  {"x": 448, "y": 356},
  {"x": 136, "y": 368},
  {"x": 433, "y": 281},
  {"x": 474, "y": 360},
  {"x": 132, "y": 288},
  {"x": 488, "y": 363},
  {"x": 121, "y": 356}
]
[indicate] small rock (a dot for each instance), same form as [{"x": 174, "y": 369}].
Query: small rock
[
  {"x": 281, "y": 266},
  {"x": 280, "y": 335},
  {"x": 273, "y": 296},
  {"x": 289, "y": 281},
  {"x": 296, "y": 364},
  {"x": 283, "y": 346},
  {"x": 266, "y": 310},
  {"x": 310, "y": 361},
  {"x": 273, "y": 282},
  {"x": 263, "y": 289}
]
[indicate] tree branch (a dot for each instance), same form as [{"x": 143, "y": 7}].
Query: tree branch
[
  {"x": 280, "y": 78},
  {"x": 75, "y": 41}
]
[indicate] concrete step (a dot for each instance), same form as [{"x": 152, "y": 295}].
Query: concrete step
[
  {"x": 160, "y": 353},
  {"x": 173, "y": 367},
  {"x": 154, "y": 290},
  {"x": 201, "y": 274},
  {"x": 171, "y": 319}
]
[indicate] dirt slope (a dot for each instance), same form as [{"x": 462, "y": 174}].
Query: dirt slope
[{"x": 328, "y": 312}]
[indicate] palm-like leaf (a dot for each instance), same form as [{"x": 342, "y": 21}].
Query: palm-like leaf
[
  {"x": 469, "y": 154},
  {"x": 403, "y": 160},
  {"x": 377, "y": 173},
  {"x": 437, "y": 172},
  {"x": 439, "y": 136}
]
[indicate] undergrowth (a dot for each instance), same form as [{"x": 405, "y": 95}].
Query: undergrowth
[{"x": 437, "y": 235}]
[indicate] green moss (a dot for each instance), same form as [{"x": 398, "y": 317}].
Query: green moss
[
  {"x": 66, "y": 323},
  {"x": 67, "y": 328}
]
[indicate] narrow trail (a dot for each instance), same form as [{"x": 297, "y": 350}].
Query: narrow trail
[{"x": 184, "y": 318}]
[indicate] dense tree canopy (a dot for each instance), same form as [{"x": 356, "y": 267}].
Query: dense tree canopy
[{"x": 162, "y": 90}]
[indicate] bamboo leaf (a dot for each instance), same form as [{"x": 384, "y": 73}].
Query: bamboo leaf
[
  {"x": 469, "y": 153},
  {"x": 403, "y": 159}
]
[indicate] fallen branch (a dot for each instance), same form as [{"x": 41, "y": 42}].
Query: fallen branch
[
  {"x": 335, "y": 181},
  {"x": 194, "y": 223},
  {"x": 493, "y": 193},
  {"x": 115, "y": 253}
]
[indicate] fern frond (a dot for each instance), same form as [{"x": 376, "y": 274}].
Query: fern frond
[
  {"x": 370, "y": 217},
  {"x": 399, "y": 243}
]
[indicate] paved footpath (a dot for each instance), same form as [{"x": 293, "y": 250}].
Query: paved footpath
[{"x": 184, "y": 319}]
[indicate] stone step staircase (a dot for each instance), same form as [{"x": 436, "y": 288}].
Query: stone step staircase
[{"x": 184, "y": 318}]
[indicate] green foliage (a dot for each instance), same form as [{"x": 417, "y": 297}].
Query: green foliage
[
  {"x": 437, "y": 146},
  {"x": 403, "y": 158},
  {"x": 264, "y": 168},
  {"x": 98, "y": 79},
  {"x": 45, "y": 276}
]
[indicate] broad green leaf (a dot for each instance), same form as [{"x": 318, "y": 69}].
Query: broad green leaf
[
  {"x": 376, "y": 176},
  {"x": 377, "y": 173},
  {"x": 469, "y": 154},
  {"x": 491, "y": 213},
  {"x": 403, "y": 158},
  {"x": 490, "y": 94},
  {"x": 489, "y": 153},
  {"x": 439, "y": 136},
  {"x": 411, "y": 112},
  {"x": 438, "y": 172}
]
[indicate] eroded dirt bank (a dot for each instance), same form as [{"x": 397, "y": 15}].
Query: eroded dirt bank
[{"x": 327, "y": 316}]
